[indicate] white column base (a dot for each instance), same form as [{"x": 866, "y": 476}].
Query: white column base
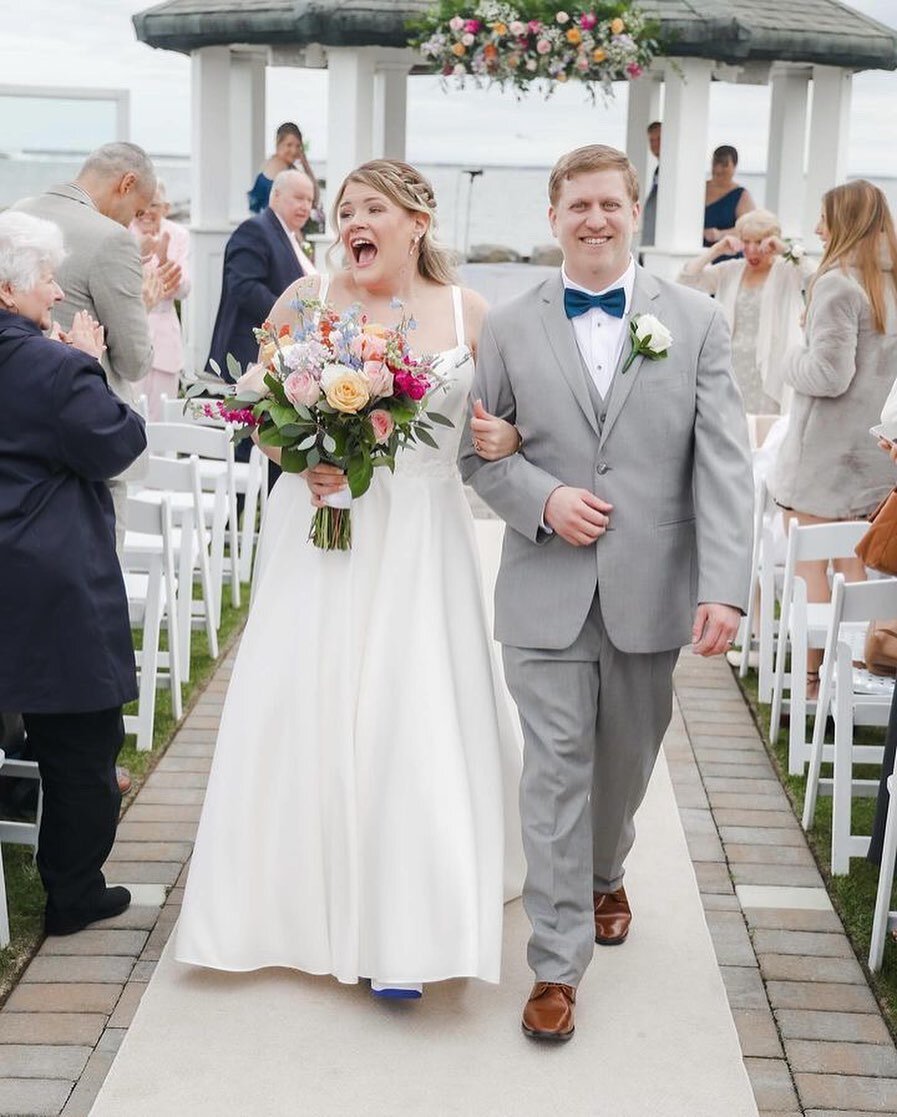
[{"x": 207, "y": 262}]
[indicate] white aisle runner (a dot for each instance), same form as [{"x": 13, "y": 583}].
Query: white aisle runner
[{"x": 654, "y": 1035}]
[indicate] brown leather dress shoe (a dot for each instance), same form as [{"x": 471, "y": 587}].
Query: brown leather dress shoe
[
  {"x": 548, "y": 1014},
  {"x": 612, "y": 917}
]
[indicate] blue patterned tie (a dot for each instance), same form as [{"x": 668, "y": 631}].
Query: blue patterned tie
[{"x": 578, "y": 302}]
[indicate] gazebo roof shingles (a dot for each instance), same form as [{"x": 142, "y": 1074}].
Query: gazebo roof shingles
[{"x": 823, "y": 32}]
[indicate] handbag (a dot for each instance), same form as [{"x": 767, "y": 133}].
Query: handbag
[{"x": 878, "y": 547}]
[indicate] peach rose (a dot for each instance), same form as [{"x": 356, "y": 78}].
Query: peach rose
[
  {"x": 617, "y": 26},
  {"x": 382, "y": 423},
  {"x": 346, "y": 390}
]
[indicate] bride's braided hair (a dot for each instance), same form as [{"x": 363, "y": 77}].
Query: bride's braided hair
[{"x": 408, "y": 188}]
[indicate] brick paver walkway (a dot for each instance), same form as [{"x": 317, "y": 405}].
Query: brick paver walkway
[{"x": 813, "y": 1039}]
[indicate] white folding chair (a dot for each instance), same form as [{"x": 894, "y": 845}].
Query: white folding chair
[
  {"x": 148, "y": 567},
  {"x": 15, "y": 831},
  {"x": 884, "y": 919},
  {"x": 179, "y": 480},
  {"x": 215, "y": 451},
  {"x": 852, "y": 697},
  {"x": 747, "y": 625},
  {"x": 804, "y": 625},
  {"x": 250, "y": 480}
]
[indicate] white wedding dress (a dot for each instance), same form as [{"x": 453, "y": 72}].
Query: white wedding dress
[{"x": 361, "y": 815}]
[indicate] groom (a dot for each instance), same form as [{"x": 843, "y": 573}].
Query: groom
[{"x": 628, "y": 511}]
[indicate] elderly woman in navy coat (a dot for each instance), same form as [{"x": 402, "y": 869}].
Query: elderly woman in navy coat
[{"x": 67, "y": 661}]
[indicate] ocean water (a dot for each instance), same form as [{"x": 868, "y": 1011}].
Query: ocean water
[{"x": 497, "y": 205}]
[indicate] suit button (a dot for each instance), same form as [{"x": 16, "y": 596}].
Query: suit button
[
  {"x": 603, "y": 467},
  {"x": 602, "y": 416}
]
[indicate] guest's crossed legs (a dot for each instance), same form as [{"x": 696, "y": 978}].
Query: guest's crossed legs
[{"x": 593, "y": 719}]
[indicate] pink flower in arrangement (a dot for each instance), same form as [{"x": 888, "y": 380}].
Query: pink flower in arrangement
[
  {"x": 301, "y": 389},
  {"x": 517, "y": 28},
  {"x": 456, "y": 23},
  {"x": 582, "y": 63},
  {"x": 562, "y": 17},
  {"x": 415, "y": 387},
  {"x": 380, "y": 377},
  {"x": 382, "y": 423},
  {"x": 587, "y": 21},
  {"x": 468, "y": 39},
  {"x": 535, "y": 26},
  {"x": 472, "y": 26},
  {"x": 543, "y": 46},
  {"x": 531, "y": 64},
  {"x": 634, "y": 70}
]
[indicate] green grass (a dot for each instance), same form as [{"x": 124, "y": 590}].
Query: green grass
[
  {"x": 24, "y": 891},
  {"x": 853, "y": 895}
]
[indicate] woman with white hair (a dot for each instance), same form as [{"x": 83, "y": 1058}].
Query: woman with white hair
[
  {"x": 761, "y": 294},
  {"x": 69, "y": 661}
]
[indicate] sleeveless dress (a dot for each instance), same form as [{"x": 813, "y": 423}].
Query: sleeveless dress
[
  {"x": 361, "y": 816},
  {"x": 260, "y": 193},
  {"x": 721, "y": 215}
]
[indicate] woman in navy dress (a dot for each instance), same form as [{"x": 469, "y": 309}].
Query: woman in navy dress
[
  {"x": 288, "y": 152},
  {"x": 724, "y": 200}
]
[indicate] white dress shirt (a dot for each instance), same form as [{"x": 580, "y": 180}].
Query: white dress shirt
[
  {"x": 600, "y": 336},
  {"x": 307, "y": 266}
]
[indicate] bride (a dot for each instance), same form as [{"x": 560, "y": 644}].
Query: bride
[{"x": 361, "y": 816}]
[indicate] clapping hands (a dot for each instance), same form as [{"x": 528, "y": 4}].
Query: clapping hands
[
  {"x": 86, "y": 334},
  {"x": 160, "y": 282}
]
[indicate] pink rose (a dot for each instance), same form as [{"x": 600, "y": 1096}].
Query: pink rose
[
  {"x": 373, "y": 348},
  {"x": 535, "y": 26},
  {"x": 634, "y": 70},
  {"x": 416, "y": 387},
  {"x": 543, "y": 46},
  {"x": 588, "y": 20},
  {"x": 456, "y": 23},
  {"x": 382, "y": 423},
  {"x": 380, "y": 378},
  {"x": 472, "y": 26},
  {"x": 301, "y": 389},
  {"x": 516, "y": 27},
  {"x": 468, "y": 39}
]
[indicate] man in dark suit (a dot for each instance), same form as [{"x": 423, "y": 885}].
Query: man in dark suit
[{"x": 261, "y": 259}]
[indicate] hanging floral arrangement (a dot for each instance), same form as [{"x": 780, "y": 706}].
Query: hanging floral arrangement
[{"x": 532, "y": 43}]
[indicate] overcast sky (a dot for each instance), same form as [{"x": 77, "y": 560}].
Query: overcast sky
[{"x": 92, "y": 43}]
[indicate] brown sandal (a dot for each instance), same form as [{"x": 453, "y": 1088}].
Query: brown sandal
[{"x": 812, "y": 686}]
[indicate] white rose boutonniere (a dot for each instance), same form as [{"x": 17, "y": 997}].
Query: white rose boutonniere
[
  {"x": 648, "y": 337},
  {"x": 794, "y": 252}
]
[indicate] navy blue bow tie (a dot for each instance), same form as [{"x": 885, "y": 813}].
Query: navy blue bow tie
[{"x": 578, "y": 302}]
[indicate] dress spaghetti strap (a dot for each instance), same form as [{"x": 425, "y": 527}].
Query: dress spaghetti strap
[
  {"x": 458, "y": 306},
  {"x": 323, "y": 287}
]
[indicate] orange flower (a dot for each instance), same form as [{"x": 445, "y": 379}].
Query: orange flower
[
  {"x": 574, "y": 36},
  {"x": 459, "y": 49},
  {"x": 500, "y": 28},
  {"x": 490, "y": 52},
  {"x": 562, "y": 76},
  {"x": 599, "y": 55},
  {"x": 617, "y": 26}
]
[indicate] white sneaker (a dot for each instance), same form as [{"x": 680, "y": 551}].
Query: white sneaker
[{"x": 733, "y": 657}]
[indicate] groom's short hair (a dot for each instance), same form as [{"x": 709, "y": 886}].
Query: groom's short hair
[{"x": 593, "y": 157}]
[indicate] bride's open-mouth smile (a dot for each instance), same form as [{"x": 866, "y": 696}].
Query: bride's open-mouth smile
[{"x": 364, "y": 251}]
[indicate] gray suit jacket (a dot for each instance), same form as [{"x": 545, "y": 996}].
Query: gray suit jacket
[
  {"x": 101, "y": 273},
  {"x": 671, "y": 455}
]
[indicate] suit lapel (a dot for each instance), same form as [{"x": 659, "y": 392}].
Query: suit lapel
[
  {"x": 562, "y": 341},
  {"x": 643, "y": 294}
]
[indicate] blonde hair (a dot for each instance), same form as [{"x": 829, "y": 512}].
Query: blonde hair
[
  {"x": 860, "y": 226},
  {"x": 408, "y": 188},
  {"x": 593, "y": 157},
  {"x": 758, "y": 223}
]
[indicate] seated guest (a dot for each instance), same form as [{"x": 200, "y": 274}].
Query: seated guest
[
  {"x": 724, "y": 200},
  {"x": 261, "y": 259},
  {"x": 288, "y": 151},
  {"x": 828, "y": 467},
  {"x": 162, "y": 241},
  {"x": 69, "y": 665},
  {"x": 761, "y": 294}
]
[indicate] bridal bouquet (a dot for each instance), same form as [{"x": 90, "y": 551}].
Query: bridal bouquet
[{"x": 340, "y": 390}]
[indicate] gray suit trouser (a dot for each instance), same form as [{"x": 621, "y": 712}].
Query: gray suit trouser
[{"x": 593, "y": 718}]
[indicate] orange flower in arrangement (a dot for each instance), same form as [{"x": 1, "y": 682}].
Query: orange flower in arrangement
[
  {"x": 617, "y": 26},
  {"x": 599, "y": 55},
  {"x": 500, "y": 28},
  {"x": 561, "y": 76},
  {"x": 459, "y": 49},
  {"x": 574, "y": 36},
  {"x": 490, "y": 52}
]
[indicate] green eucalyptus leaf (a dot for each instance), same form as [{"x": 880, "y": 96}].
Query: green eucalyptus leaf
[
  {"x": 427, "y": 438},
  {"x": 313, "y": 458},
  {"x": 233, "y": 366},
  {"x": 307, "y": 443},
  {"x": 329, "y": 444},
  {"x": 292, "y": 461},
  {"x": 442, "y": 420},
  {"x": 216, "y": 368}
]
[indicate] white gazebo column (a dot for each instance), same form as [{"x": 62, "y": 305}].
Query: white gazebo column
[
  {"x": 210, "y": 162},
  {"x": 390, "y": 107},
  {"x": 350, "y": 112},
  {"x": 642, "y": 110},
  {"x": 247, "y": 117},
  {"x": 786, "y": 148},
  {"x": 829, "y": 132},
  {"x": 680, "y": 189}
]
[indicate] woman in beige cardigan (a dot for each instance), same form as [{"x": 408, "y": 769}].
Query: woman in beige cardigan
[
  {"x": 829, "y": 467},
  {"x": 762, "y": 297}
]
